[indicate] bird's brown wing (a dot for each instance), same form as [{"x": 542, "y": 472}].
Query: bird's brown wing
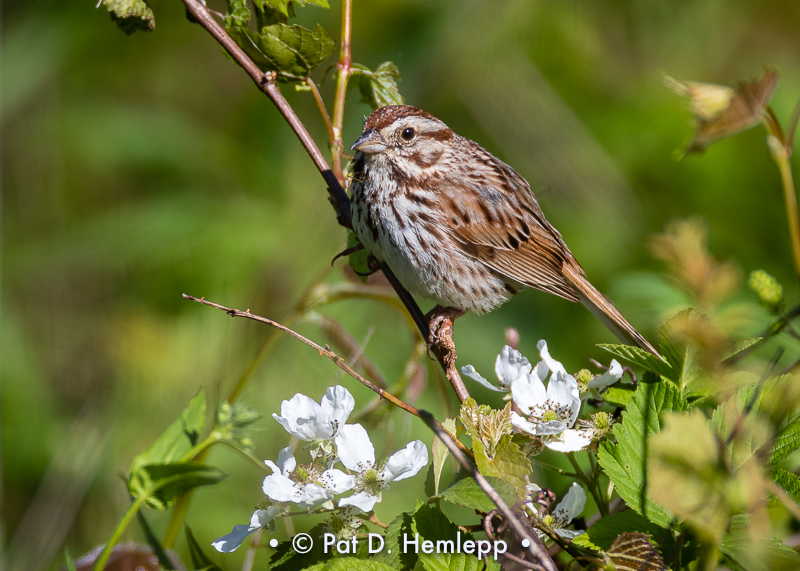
[{"x": 495, "y": 219}]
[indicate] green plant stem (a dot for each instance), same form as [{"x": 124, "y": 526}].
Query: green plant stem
[
  {"x": 126, "y": 519},
  {"x": 790, "y": 198},
  {"x": 556, "y": 469},
  {"x": 590, "y": 484},
  {"x": 322, "y": 109},
  {"x": 345, "y": 60}
]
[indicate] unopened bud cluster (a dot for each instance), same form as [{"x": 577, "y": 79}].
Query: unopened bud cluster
[{"x": 767, "y": 288}]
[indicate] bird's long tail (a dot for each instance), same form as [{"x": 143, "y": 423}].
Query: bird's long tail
[{"x": 604, "y": 310}]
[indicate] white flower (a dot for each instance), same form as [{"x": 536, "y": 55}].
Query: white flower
[
  {"x": 611, "y": 376},
  {"x": 570, "y": 507},
  {"x": 510, "y": 366},
  {"x": 259, "y": 519},
  {"x": 357, "y": 453},
  {"x": 304, "y": 418},
  {"x": 303, "y": 486},
  {"x": 550, "y": 413}
]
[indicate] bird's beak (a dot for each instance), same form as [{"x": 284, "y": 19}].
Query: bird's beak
[{"x": 370, "y": 142}]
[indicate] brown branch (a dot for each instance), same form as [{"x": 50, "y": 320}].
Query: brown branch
[
  {"x": 326, "y": 352},
  {"x": 541, "y": 559},
  {"x": 336, "y": 194}
]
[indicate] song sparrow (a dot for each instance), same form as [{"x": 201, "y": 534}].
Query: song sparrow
[{"x": 457, "y": 225}]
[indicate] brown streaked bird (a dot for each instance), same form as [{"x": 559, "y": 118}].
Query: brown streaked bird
[{"x": 456, "y": 224}]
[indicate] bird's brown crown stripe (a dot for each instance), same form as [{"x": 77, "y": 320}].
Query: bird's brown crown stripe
[{"x": 385, "y": 116}]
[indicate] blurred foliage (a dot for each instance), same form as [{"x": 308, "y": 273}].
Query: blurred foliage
[{"x": 138, "y": 168}]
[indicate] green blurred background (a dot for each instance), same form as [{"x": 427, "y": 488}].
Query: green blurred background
[{"x": 136, "y": 168}]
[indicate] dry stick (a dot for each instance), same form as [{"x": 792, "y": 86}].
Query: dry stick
[
  {"x": 535, "y": 546},
  {"x": 336, "y": 194},
  {"x": 323, "y": 352}
]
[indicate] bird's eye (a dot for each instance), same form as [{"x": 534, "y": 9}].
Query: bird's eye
[{"x": 408, "y": 134}]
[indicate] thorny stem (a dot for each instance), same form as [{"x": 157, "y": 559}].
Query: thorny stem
[
  {"x": 345, "y": 60},
  {"x": 323, "y": 352},
  {"x": 541, "y": 559}
]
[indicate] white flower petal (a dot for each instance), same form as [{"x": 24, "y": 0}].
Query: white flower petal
[
  {"x": 262, "y": 518},
  {"x": 304, "y": 419},
  {"x": 528, "y": 392},
  {"x": 541, "y": 370},
  {"x": 568, "y": 441},
  {"x": 406, "y": 462},
  {"x": 286, "y": 461},
  {"x": 336, "y": 406},
  {"x": 313, "y": 495},
  {"x": 552, "y": 364},
  {"x": 470, "y": 372},
  {"x": 355, "y": 448},
  {"x": 572, "y": 505},
  {"x": 610, "y": 377},
  {"x": 362, "y": 500},
  {"x": 336, "y": 481},
  {"x": 569, "y": 533},
  {"x": 550, "y": 427},
  {"x": 563, "y": 390},
  {"x": 518, "y": 422},
  {"x": 233, "y": 540},
  {"x": 281, "y": 489},
  {"x": 510, "y": 365}
]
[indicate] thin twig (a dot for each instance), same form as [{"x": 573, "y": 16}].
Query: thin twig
[
  {"x": 535, "y": 546},
  {"x": 324, "y": 352},
  {"x": 322, "y": 110},
  {"x": 266, "y": 83}
]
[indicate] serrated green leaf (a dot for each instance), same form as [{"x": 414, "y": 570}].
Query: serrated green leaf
[
  {"x": 396, "y": 556},
  {"x": 199, "y": 559},
  {"x": 448, "y": 543},
  {"x": 131, "y": 15},
  {"x": 509, "y": 463},
  {"x": 440, "y": 453},
  {"x": 163, "y": 559},
  {"x": 788, "y": 441},
  {"x": 350, "y": 563},
  {"x": 789, "y": 481},
  {"x": 741, "y": 345},
  {"x": 178, "y": 438},
  {"x": 466, "y": 492},
  {"x": 358, "y": 259},
  {"x": 642, "y": 358},
  {"x": 678, "y": 352},
  {"x": 757, "y": 553},
  {"x": 379, "y": 88},
  {"x": 162, "y": 484},
  {"x": 292, "y": 51},
  {"x": 624, "y": 461}
]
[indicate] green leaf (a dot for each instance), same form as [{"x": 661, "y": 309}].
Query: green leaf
[
  {"x": 154, "y": 543},
  {"x": 440, "y": 453},
  {"x": 624, "y": 461},
  {"x": 788, "y": 441},
  {"x": 642, "y": 358},
  {"x": 350, "y": 563},
  {"x": 509, "y": 463},
  {"x": 286, "y": 558},
  {"x": 178, "y": 438},
  {"x": 741, "y": 345},
  {"x": 292, "y": 51},
  {"x": 69, "y": 562},
  {"x": 131, "y": 15},
  {"x": 606, "y": 529},
  {"x": 396, "y": 556},
  {"x": 238, "y": 15},
  {"x": 678, "y": 352},
  {"x": 619, "y": 396},
  {"x": 789, "y": 481},
  {"x": 199, "y": 559},
  {"x": 162, "y": 484},
  {"x": 448, "y": 543},
  {"x": 466, "y": 492},
  {"x": 757, "y": 553},
  {"x": 379, "y": 88}
]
